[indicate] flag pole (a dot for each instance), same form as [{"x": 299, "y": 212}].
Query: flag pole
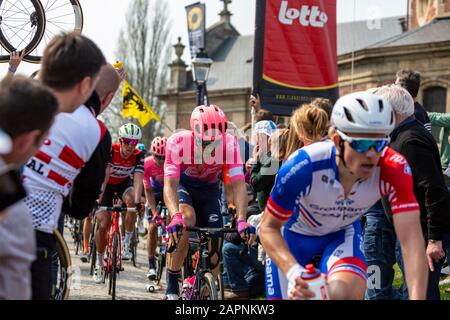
[{"x": 165, "y": 124}]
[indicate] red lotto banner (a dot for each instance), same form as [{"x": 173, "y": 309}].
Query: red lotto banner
[{"x": 295, "y": 53}]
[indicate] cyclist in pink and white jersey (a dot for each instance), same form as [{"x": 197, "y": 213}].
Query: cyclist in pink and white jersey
[
  {"x": 191, "y": 191},
  {"x": 153, "y": 188}
]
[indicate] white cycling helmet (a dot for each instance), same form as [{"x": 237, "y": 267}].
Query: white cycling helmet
[
  {"x": 363, "y": 112},
  {"x": 130, "y": 131}
]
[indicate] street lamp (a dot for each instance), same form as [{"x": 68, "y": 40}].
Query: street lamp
[{"x": 200, "y": 72}]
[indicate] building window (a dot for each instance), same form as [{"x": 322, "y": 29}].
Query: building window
[{"x": 435, "y": 100}]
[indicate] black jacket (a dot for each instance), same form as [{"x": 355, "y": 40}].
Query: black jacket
[
  {"x": 87, "y": 185},
  {"x": 420, "y": 150},
  {"x": 422, "y": 116}
]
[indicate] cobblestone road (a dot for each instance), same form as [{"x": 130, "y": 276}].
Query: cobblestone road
[{"x": 130, "y": 283}]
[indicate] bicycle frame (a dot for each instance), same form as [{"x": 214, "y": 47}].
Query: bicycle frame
[
  {"x": 203, "y": 264},
  {"x": 114, "y": 229}
]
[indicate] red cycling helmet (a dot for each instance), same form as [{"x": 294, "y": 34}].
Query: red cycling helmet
[
  {"x": 158, "y": 147},
  {"x": 209, "y": 123}
]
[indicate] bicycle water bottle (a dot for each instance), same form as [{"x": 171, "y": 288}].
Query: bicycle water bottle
[{"x": 316, "y": 282}]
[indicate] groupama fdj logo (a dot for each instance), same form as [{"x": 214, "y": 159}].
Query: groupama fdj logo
[{"x": 306, "y": 15}]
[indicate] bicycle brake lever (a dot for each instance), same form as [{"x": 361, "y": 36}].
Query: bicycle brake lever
[{"x": 173, "y": 246}]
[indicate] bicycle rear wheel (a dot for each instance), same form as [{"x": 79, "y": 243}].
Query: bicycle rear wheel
[
  {"x": 208, "y": 288},
  {"x": 61, "y": 16},
  {"x": 22, "y": 26},
  {"x": 64, "y": 280}
]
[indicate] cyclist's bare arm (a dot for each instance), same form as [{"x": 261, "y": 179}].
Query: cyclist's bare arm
[
  {"x": 170, "y": 195},
  {"x": 409, "y": 233},
  {"x": 150, "y": 197},
  {"x": 273, "y": 242},
  {"x": 240, "y": 198},
  {"x": 138, "y": 185}
]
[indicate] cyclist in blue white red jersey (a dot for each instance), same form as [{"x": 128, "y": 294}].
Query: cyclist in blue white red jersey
[{"x": 321, "y": 192}]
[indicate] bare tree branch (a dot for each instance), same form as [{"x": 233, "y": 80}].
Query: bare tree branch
[{"x": 144, "y": 48}]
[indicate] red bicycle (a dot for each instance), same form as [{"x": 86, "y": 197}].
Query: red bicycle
[{"x": 112, "y": 265}]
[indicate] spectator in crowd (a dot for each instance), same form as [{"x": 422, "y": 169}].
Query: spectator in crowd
[
  {"x": 70, "y": 66},
  {"x": 264, "y": 114},
  {"x": 324, "y": 104},
  {"x": 243, "y": 274},
  {"x": 411, "y": 139},
  {"x": 263, "y": 166},
  {"x": 310, "y": 123},
  {"x": 305, "y": 122},
  {"x": 442, "y": 120},
  {"x": 71, "y": 74},
  {"x": 410, "y": 80},
  {"x": 36, "y": 107}
]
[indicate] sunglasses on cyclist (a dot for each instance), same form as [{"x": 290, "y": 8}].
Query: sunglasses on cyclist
[
  {"x": 160, "y": 158},
  {"x": 362, "y": 145},
  {"x": 130, "y": 141}
]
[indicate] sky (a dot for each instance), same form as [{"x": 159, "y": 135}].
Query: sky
[{"x": 103, "y": 19}]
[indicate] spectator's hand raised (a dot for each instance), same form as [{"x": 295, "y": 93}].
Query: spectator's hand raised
[
  {"x": 255, "y": 102},
  {"x": 15, "y": 58}
]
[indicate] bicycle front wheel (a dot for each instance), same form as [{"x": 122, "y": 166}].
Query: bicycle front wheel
[
  {"x": 61, "y": 16},
  {"x": 114, "y": 265},
  {"x": 64, "y": 270},
  {"x": 22, "y": 26},
  {"x": 161, "y": 262},
  {"x": 208, "y": 288}
]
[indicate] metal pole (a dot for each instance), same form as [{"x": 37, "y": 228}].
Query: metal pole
[
  {"x": 205, "y": 95},
  {"x": 166, "y": 126},
  {"x": 353, "y": 46},
  {"x": 199, "y": 95}
]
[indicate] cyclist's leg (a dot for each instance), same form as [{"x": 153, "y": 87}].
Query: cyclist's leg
[
  {"x": 209, "y": 215},
  {"x": 104, "y": 223},
  {"x": 87, "y": 226},
  {"x": 345, "y": 265},
  {"x": 175, "y": 259},
  {"x": 130, "y": 217},
  {"x": 152, "y": 236}
]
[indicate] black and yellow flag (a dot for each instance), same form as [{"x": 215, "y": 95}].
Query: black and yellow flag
[{"x": 134, "y": 106}]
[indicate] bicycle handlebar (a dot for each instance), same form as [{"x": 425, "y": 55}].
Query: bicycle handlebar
[
  {"x": 211, "y": 230},
  {"x": 117, "y": 209}
]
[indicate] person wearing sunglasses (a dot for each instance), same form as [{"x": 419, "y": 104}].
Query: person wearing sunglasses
[
  {"x": 413, "y": 140},
  {"x": 194, "y": 159},
  {"x": 153, "y": 188},
  {"x": 126, "y": 160},
  {"x": 320, "y": 194}
]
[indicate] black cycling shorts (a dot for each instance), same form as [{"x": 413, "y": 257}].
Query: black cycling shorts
[{"x": 120, "y": 189}]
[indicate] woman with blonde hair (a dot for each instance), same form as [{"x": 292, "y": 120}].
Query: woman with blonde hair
[{"x": 308, "y": 124}]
